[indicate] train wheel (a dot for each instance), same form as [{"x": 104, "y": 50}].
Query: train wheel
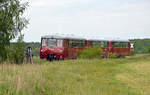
[
  {"x": 58, "y": 58},
  {"x": 49, "y": 57}
]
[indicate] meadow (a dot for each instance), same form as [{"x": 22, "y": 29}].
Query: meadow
[{"x": 124, "y": 76}]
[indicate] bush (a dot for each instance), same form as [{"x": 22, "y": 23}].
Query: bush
[
  {"x": 90, "y": 53},
  {"x": 113, "y": 55},
  {"x": 16, "y": 52},
  {"x": 149, "y": 50},
  {"x": 132, "y": 53}
]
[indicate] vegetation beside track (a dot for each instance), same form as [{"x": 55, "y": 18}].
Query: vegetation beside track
[{"x": 125, "y": 76}]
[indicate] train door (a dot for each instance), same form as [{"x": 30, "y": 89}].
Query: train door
[
  {"x": 66, "y": 48},
  {"x": 112, "y": 47},
  {"x": 105, "y": 47},
  {"x": 72, "y": 50},
  {"x": 43, "y": 48},
  {"x": 69, "y": 49}
]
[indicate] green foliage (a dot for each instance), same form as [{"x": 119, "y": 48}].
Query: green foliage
[
  {"x": 141, "y": 45},
  {"x": 35, "y": 47},
  {"x": 113, "y": 55},
  {"x": 148, "y": 50},
  {"x": 17, "y": 52},
  {"x": 3, "y": 53},
  {"x": 12, "y": 23},
  {"x": 132, "y": 53},
  {"x": 90, "y": 53}
]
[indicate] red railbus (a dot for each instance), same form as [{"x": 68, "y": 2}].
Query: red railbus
[
  {"x": 61, "y": 47},
  {"x": 121, "y": 47}
]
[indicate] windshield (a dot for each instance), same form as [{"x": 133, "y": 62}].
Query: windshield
[
  {"x": 52, "y": 42},
  {"x": 59, "y": 43},
  {"x": 44, "y": 42}
]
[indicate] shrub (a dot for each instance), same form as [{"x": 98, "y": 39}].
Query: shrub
[
  {"x": 16, "y": 52},
  {"x": 132, "y": 53},
  {"x": 90, "y": 53},
  {"x": 149, "y": 50},
  {"x": 113, "y": 55}
]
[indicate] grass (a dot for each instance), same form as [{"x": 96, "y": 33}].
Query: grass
[{"x": 125, "y": 76}]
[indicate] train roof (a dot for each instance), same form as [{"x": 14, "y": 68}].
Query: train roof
[
  {"x": 98, "y": 40},
  {"x": 108, "y": 40},
  {"x": 71, "y": 37},
  {"x": 123, "y": 41}
]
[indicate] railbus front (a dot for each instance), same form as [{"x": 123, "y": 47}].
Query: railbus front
[{"x": 51, "y": 48}]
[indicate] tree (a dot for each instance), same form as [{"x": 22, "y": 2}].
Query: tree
[
  {"x": 19, "y": 50},
  {"x": 12, "y": 23}
]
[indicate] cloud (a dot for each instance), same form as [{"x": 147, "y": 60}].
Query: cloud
[
  {"x": 38, "y": 3},
  {"x": 56, "y": 3},
  {"x": 92, "y": 18}
]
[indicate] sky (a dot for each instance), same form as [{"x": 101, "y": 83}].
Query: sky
[{"x": 103, "y": 19}]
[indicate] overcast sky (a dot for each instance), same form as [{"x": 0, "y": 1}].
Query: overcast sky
[{"x": 123, "y": 19}]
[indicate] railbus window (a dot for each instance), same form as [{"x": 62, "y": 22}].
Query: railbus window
[
  {"x": 60, "y": 43},
  {"x": 96, "y": 43},
  {"x": 66, "y": 43},
  {"x": 44, "y": 42},
  {"x": 125, "y": 45},
  {"x": 120, "y": 45},
  {"x": 52, "y": 42},
  {"x": 90, "y": 44},
  {"x": 104, "y": 44},
  {"x": 76, "y": 44}
]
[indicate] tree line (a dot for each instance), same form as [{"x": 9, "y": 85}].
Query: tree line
[
  {"x": 34, "y": 45},
  {"x": 141, "y": 46}
]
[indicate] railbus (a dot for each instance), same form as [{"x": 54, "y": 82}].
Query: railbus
[
  {"x": 121, "y": 47},
  {"x": 59, "y": 47},
  {"x": 55, "y": 47}
]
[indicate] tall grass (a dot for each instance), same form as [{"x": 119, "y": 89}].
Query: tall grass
[{"x": 129, "y": 76}]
